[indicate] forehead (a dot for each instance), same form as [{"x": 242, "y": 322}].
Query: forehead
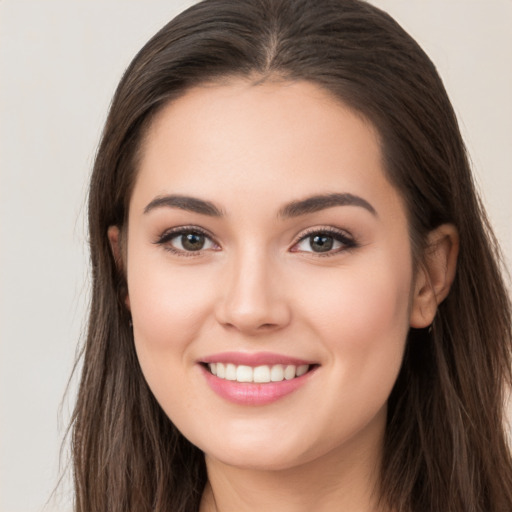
[{"x": 277, "y": 140}]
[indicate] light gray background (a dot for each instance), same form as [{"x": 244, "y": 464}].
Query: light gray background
[{"x": 59, "y": 64}]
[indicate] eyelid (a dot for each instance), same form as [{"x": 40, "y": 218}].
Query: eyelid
[
  {"x": 341, "y": 235},
  {"x": 174, "y": 232}
]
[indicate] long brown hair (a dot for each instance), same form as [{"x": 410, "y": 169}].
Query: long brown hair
[{"x": 445, "y": 444}]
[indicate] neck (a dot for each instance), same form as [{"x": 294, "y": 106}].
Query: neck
[{"x": 343, "y": 479}]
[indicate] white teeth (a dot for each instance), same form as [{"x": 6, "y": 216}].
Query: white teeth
[
  {"x": 289, "y": 372},
  {"x": 230, "y": 371},
  {"x": 302, "y": 369},
  {"x": 221, "y": 370},
  {"x": 244, "y": 374},
  {"x": 262, "y": 374},
  {"x": 259, "y": 374},
  {"x": 277, "y": 373}
]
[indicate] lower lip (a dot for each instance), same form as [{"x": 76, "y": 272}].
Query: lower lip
[{"x": 245, "y": 393}]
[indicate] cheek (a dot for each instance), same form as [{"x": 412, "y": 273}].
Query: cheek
[
  {"x": 363, "y": 323},
  {"x": 168, "y": 308},
  {"x": 168, "y": 305},
  {"x": 361, "y": 301}
]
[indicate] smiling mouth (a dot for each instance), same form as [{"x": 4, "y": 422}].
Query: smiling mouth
[{"x": 258, "y": 374}]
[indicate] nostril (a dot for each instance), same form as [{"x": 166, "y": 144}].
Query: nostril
[{"x": 261, "y": 327}]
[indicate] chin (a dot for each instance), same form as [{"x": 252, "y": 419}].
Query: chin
[
  {"x": 258, "y": 460},
  {"x": 274, "y": 452}
]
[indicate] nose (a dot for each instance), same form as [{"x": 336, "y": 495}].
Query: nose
[{"x": 253, "y": 296}]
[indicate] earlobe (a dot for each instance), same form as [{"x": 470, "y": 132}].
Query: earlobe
[
  {"x": 113, "y": 234},
  {"x": 114, "y": 238},
  {"x": 435, "y": 275}
]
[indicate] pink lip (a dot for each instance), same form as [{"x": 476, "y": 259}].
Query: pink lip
[
  {"x": 254, "y": 359},
  {"x": 246, "y": 393}
]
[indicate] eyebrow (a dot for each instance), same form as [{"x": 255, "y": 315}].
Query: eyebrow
[
  {"x": 321, "y": 202},
  {"x": 191, "y": 204},
  {"x": 293, "y": 209}
]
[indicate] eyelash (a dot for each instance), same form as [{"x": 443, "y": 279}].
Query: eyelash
[
  {"x": 170, "y": 234},
  {"x": 347, "y": 241},
  {"x": 342, "y": 237}
]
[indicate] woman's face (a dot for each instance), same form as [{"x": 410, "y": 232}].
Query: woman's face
[{"x": 265, "y": 241}]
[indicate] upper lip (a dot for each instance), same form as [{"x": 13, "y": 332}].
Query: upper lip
[{"x": 254, "y": 359}]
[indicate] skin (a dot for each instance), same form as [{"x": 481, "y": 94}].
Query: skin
[{"x": 258, "y": 285}]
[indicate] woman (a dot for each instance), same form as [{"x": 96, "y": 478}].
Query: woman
[{"x": 297, "y": 302}]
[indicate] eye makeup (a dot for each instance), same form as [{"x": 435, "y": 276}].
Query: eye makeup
[
  {"x": 324, "y": 241},
  {"x": 190, "y": 241}
]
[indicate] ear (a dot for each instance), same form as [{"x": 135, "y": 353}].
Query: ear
[
  {"x": 435, "y": 275},
  {"x": 114, "y": 238}
]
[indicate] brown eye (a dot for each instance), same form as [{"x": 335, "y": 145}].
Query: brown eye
[
  {"x": 192, "y": 241},
  {"x": 321, "y": 243},
  {"x": 327, "y": 242},
  {"x": 185, "y": 241}
]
